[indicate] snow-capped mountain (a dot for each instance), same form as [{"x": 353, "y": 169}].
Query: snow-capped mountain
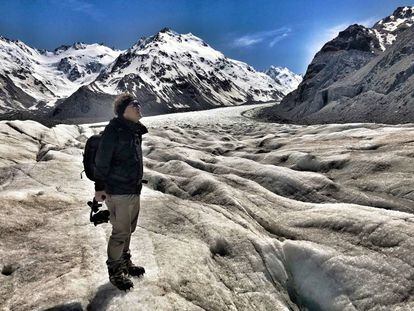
[
  {"x": 169, "y": 56},
  {"x": 82, "y": 62},
  {"x": 168, "y": 71},
  {"x": 31, "y": 78},
  {"x": 362, "y": 75},
  {"x": 388, "y": 28},
  {"x": 172, "y": 72},
  {"x": 284, "y": 77}
]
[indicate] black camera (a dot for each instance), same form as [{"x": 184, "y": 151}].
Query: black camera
[{"x": 96, "y": 216}]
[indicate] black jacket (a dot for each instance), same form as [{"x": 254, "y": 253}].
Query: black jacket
[{"x": 118, "y": 161}]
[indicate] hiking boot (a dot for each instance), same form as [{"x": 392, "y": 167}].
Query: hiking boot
[
  {"x": 129, "y": 268},
  {"x": 119, "y": 279}
]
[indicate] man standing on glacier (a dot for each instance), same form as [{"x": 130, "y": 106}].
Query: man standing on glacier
[{"x": 118, "y": 173}]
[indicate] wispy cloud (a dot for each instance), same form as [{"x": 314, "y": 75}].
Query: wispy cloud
[
  {"x": 82, "y": 6},
  {"x": 271, "y": 37}
]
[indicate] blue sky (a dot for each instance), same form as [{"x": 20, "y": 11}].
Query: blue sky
[{"x": 261, "y": 33}]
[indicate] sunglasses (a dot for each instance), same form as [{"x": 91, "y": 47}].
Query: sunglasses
[{"x": 135, "y": 103}]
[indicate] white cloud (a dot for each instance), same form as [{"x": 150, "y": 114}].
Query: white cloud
[
  {"x": 277, "y": 39},
  {"x": 270, "y": 36}
]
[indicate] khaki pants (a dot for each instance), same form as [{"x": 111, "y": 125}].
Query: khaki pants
[{"x": 124, "y": 211}]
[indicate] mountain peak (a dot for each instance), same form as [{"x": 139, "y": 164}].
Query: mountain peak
[
  {"x": 79, "y": 45},
  {"x": 273, "y": 67},
  {"x": 403, "y": 11},
  {"x": 387, "y": 28},
  {"x": 62, "y": 47},
  {"x": 402, "y": 16},
  {"x": 354, "y": 37},
  {"x": 167, "y": 38},
  {"x": 284, "y": 77},
  {"x": 168, "y": 30}
]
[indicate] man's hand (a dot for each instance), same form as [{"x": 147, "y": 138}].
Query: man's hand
[{"x": 100, "y": 196}]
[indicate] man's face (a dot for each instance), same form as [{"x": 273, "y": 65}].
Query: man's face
[{"x": 133, "y": 112}]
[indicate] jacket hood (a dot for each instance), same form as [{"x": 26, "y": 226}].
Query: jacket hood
[{"x": 129, "y": 125}]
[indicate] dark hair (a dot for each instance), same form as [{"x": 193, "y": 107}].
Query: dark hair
[{"x": 121, "y": 102}]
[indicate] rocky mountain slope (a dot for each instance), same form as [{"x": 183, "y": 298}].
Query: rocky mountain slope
[{"x": 363, "y": 75}]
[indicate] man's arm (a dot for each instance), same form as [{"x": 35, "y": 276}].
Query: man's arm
[{"x": 103, "y": 157}]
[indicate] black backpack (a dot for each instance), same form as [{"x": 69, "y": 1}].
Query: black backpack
[{"x": 91, "y": 146}]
